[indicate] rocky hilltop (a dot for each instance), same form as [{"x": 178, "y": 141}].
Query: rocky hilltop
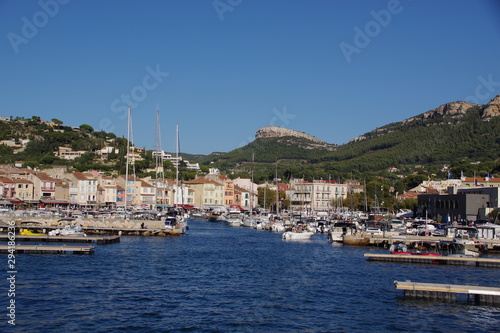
[
  {"x": 458, "y": 109},
  {"x": 492, "y": 108},
  {"x": 278, "y": 132}
]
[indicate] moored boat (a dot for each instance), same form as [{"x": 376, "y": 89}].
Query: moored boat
[
  {"x": 401, "y": 249},
  {"x": 297, "y": 235}
]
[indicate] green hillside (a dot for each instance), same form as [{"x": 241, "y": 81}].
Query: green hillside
[{"x": 421, "y": 146}]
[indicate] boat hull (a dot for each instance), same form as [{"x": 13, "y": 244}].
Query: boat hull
[{"x": 290, "y": 235}]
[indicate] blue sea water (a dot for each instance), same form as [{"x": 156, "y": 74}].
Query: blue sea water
[{"x": 222, "y": 279}]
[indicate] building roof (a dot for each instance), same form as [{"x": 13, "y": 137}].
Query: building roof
[
  {"x": 44, "y": 176},
  {"x": 24, "y": 181},
  {"x": 79, "y": 175},
  {"x": 145, "y": 184},
  {"x": 408, "y": 195},
  {"x": 202, "y": 181}
]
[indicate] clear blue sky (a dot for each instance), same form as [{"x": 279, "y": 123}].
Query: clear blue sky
[{"x": 223, "y": 69}]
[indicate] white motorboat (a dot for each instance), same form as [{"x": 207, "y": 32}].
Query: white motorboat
[
  {"x": 233, "y": 219},
  {"x": 175, "y": 223},
  {"x": 339, "y": 229},
  {"x": 72, "y": 230},
  {"x": 297, "y": 235}
]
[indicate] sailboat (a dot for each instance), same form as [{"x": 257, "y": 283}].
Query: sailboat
[
  {"x": 250, "y": 220},
  {"x": 174, "y": 220},
  {"x": 298, "y": 232}
]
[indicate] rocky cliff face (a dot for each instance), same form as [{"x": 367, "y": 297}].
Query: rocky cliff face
[
  {"x": 492, "y": 108},
  {"x": 458, "y": 109},
  {"x": 277, "y": 132}
]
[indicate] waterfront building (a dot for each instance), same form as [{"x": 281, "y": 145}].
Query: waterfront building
[
  {"x": 61, "y": 193},
  {"x": 120, "y": 196},
  {"x": 7, "y": 188},
  {"x": 242, "y": 198},
  {"x": 316, "y": 196},
  {"x": 183, "y": 195},
  {"x": 132, "y": 186},
  {"x": 147, "y": 195},
  {"x": 248, "y": 191},
  {"x": 206, "y": 192},
  {"x": 229, "y": 192},
  {"x": 44, "y": 186},
  {"x": 106, "y": 191},
  {"x": 83, "y": 189},
  {"x": 467, "y": 204},
  {"x": 164, "y": 193},
  {"x": 24, "y": 189}
]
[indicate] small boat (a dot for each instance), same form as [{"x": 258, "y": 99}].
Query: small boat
[
  {"x": 72, "y": 230},
  {"x": 213, "y": 217},
  {"x": 461, "y": 249},
  {"x": 401, "y": 249},
  {"x": 339, "y": 229},
  {"x": 26, "y": 232},
  {"x": 248, "y": 221},
  {"x": 297, "y": 234},
  {"x": 175, "y": 224},
  {"x": 232, "y": 219}
]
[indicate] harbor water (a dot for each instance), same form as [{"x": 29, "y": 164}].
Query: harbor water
[{"x": 222, "y": 279}]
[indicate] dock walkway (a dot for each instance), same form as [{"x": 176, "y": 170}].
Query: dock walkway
[
  {"x": 64, "y": 239},
  {"x": 48, "y": 249},
  {"x": 436, "y": 260},
  {"x": 476, "y": 294}
]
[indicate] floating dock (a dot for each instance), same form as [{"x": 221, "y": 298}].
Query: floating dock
[
  {"x": 448, "y": 292},
  {"x": 412, "y": 241},
  {"x": 436, "y": 260},
  {"x": 64, "y": 239},
  {"x": 48, "y": 249},
  {"x": 103, "y": 231}
]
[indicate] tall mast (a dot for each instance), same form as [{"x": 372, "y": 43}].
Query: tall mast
[
  {"x": 158, "y": 159},
  {"x": 178, "y": 185},
  {"x": 265, "y": 194},
  {"x": 251, "y": 186},
  {"x": 277, "y": 193},
  {"x": 129, "y": 115},
  {"x": 366, "y": 199}
]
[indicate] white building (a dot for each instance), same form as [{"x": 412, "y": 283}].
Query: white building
[{"x": 316, "y": 196}]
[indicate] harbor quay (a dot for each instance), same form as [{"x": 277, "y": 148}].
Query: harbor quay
[
  {"x": 413, "y": 241},
  {"x": 91, "y": 226}
]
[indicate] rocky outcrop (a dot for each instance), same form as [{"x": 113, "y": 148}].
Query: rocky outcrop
[
  {"x": 278, "y": 132},
  {"x": 458, "y": 109},
  {"x": 452, "y": 109},
  {"x": 492, "y": 108}
]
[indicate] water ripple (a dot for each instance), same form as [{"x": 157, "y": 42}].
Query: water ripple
[{"x": 220, "y": 279}]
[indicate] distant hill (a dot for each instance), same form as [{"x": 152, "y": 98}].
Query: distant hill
[{"x": 455, "y": 133}]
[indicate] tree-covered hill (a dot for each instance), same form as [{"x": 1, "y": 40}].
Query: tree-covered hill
[{"x": 423, "y": 145}]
